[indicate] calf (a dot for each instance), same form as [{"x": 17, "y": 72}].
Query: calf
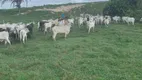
[{"x": 23, "y": 34}]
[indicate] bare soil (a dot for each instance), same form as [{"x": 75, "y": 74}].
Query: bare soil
[{"x": 62, "y": 8}]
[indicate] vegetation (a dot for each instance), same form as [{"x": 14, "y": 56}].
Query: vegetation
[
  {"x": 16, "y": 3},
  {"x": 112, "y": 53},
  {"x": 124, "y": 8}
]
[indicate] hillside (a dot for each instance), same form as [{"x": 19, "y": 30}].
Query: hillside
[
  {"x": 9, "y": 15},
  {"x": 108, "y": 53}
]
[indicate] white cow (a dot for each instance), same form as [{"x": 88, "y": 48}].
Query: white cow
[
  {"x": 90, "y": 24},
  {"x": 124, "y": 18},
  {"x": 116, "y": 18},
  {"x": 4, "y": 36},
  {"x": 109, "y": 18},
  {"x": 130, "y": 20},
  {"x": 101, "y": 19},
  {"x": 47, "y": 25},
  {"x": 141, "y": 19},
  {"x": 61, "y": 29},
  {"x": 80, "y": 21},
  {"x": 106, "y": 22},
  {"x": 18, "y": 28},
  {"x": 96, "y": 19},
  {"x": 23, "y": 35},
  {"x": 3, "y": 26}
]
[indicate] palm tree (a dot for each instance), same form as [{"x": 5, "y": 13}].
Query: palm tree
[{"x": 16, "y": 3}]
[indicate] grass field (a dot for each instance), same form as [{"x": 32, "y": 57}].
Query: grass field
[{"x": 113, "y": 53}]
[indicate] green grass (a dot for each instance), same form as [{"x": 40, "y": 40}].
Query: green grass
[{"x": 112, "y": 53}]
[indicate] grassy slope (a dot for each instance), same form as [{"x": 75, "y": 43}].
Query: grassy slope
[{"x": 112, "y": 53}]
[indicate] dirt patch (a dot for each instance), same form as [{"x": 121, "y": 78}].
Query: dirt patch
[
  {"x": 24, "y": 13},
  {"x": 57, "y": 9},
  {"x": 27, "y": 12},
  {"x": 62, "y": 8}
]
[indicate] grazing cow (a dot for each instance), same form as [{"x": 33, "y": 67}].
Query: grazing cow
[
  {"x": 61, "y": 29},
  {"x": 130, "y": 20},
  {"x": 4, "y": 36}
]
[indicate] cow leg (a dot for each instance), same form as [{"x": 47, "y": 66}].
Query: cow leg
[
  {"x": 20, "y": 37},
  {"x": 128, "y": 23},
  {"x": 66, "y": 35},
  {"x": 93, "y": 29},
  {"x": 89, "y": 30},
  {"x": 8, "y": 41},
  {"x": 54, "y": 36},
  {"x": 50, "y": 29},
  {"x": 24, "y": 40},
  {"x": 5, "y": 42},
  {"x": 45, "y": 31}
]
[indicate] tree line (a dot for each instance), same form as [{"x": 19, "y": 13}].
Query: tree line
[{"x": 132, "y": 8}]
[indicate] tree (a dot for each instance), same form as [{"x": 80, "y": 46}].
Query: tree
[
  {"x": 16, "y": 3},
  {"x": 122, "y": 7}
]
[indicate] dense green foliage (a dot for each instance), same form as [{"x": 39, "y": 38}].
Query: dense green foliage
[
  {"x": 112, "y": 53},
  {"x": 15, "y": 3},
  {"x": 124, "y": 8}
]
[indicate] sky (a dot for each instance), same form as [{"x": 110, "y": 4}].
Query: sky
[{"x": 46, "y": 2}]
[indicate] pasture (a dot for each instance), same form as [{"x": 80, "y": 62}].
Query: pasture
[{"x": 108, "y": 53}]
